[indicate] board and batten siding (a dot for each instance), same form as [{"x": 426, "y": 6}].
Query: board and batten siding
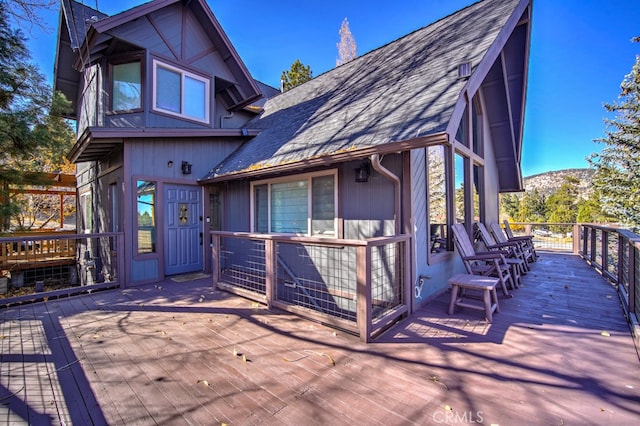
[
  {"x": 368, "y": 207},
  {"x": 151, "y": 157}
]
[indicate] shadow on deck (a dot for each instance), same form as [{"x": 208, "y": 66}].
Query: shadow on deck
[{"x": 559, "y": 352}]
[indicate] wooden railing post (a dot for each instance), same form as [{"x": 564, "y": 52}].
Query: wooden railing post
[
  {"x": 270, "y": 271},
  {"x": 576, "y": 238},
  {"x": 215, "y": 260},
  {"x": 605, "y": 252},
  {"x": 122, "y": 275},
  {"x": 592, "y": 250},
  {"x": 363, "y": 292},
  {"x": 632, "y": 276}
]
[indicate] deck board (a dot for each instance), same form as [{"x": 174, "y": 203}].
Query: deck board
[{"x": 558, "y": 352}]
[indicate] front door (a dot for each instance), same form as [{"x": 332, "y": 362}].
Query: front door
[{"x": 183, "y": 250}]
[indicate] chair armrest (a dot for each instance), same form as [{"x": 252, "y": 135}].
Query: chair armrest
[
  {"x": 509, "y": 244},
  {"x": 487, "y": 255},
  {"x": 521, "y": 238}
]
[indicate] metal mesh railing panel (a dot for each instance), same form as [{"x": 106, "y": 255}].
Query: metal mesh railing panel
[
  {"x": 242, "y": 263},
  {"x": 321, "y": 278}
]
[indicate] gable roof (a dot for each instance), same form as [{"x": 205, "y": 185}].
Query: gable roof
[
  {"x": 88, "y": 36},
  {"x": 400, "y": 96}
]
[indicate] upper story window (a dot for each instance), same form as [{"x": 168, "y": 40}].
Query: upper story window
[
  {"x": 302, "y": 205},
  {"x": 126, "y": 92},
  {"x": 181, "y": 93}
]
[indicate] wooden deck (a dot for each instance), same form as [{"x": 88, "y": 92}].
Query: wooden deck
[{"x": 559, "y": 352}]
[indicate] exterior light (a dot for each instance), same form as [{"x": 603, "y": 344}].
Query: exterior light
[{"x": 186, "y": 168}]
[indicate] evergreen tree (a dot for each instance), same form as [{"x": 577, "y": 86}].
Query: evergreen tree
[
  {"x": 534, "y": 207},
  {"x": 31, "y": 132},
  {"x": 297, "y": 75},
  {"x": 510, "y": 206},
  {"x": 562, "y": 205},
  {"x": 617, "y": 167},
  {"x": 347, "y": 49}
]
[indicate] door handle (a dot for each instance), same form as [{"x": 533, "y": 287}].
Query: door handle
[{"x": 201, "y": 237}]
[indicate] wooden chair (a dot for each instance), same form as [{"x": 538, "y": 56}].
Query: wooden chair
[
  {"x": 510, "y": 249},
  {"x": 525, "y": 241},
  {"x": 482, "y": 263}
]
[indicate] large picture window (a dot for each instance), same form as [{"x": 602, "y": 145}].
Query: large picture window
[
  {"x": 437, "y": 199},
  {"x": 302, "y": 205},
  {"x": 146, "y": 213},
  {"x": 181, "y": 93},
  {"x": 126, "y": 94}
]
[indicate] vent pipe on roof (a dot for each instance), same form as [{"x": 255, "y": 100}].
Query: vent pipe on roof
[{"x": 378, "y": 167}]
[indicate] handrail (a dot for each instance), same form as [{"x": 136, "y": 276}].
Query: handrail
[
  {"x": 368, "y": 287},
  {"x": 613, "y": 251}
]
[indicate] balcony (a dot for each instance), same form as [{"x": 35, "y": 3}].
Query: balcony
[
  {"x": 35, "y": 267},
  {"x": 558, "y": 352}
]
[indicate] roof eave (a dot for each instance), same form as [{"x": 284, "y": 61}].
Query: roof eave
[{"x": 255, "y": 171}]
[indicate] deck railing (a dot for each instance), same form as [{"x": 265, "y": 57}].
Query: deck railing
[
  {"x": 356, "y": 285},
  {"x": 37, "y": 267},
  {"x": 614, "y": 252}
]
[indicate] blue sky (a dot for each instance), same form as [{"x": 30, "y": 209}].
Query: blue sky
[{"x": 580, "y": 52}]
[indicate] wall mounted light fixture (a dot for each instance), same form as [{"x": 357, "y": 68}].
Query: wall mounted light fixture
[
  {"x": 186, "y": 168},
  {"x": 362, "y": 173}
]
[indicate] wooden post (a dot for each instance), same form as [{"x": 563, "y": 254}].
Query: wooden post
[
  {"x": 215, "y": 258},
  {"x": 270, "y": 271},
  {"x": 592, "y": 254},
  {"x": 576, "y": 238},
  {"x": 363, "y": 292},
  {"x": 605, "y": 252},
  {"x": 632, "y": 277},
  {"x": 122, "y": 274},
  {"x": 61, "y": 211}
]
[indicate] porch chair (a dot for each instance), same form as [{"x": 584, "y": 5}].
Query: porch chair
[
  {"x": 510, "y": 249},
  {"x": 482, "y": 263},
  {"x": 525, "y": 241}
]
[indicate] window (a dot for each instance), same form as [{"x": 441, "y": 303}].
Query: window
[
  {"x": 468, "y": 167},
  {"x": 478, "y": 193},
  {"x": 437, "y": 200},
  {"x": 181, "y": 93},
  {"x": 461, "y": 210},
  {"x": 86, "y": 206},
  {"x": 146, "y": 217},
  {"x": 126, "y": 92},
  {"x": 304, "y": 205}
]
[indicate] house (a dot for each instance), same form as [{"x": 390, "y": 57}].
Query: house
[{"x": 176, "y": 140}]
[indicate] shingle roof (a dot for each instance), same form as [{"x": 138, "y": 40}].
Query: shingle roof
[
  {"x": 403, "y": 90},
  {"x": 79, "y": 19}
]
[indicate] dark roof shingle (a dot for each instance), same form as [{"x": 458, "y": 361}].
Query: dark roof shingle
[{"x": 403, "y": 90}]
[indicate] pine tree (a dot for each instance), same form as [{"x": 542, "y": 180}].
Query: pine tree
[
  {"x": 297, "y": 75},
  {"x": 347, "y": 49},
  {"x": 562, "y": 205},
  {"x": 618, "y": 165},
  {"x": 31, "y": 130}
]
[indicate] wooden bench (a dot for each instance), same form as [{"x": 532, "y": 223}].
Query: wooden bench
[{"x": 487, "y": 285}]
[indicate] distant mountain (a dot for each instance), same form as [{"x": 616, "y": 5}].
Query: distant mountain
[{"x": 549, "y": 182}]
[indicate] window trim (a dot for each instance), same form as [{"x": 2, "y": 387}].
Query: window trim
[
  {"x": 183, "y": 74},
  {"x": 291, "y": 178},
  {"x": 134, "y": 211},
  {"x": 123, "y": 61},
  {"x": 434, "y": 257},
  {"x": 87, "y": 211}
]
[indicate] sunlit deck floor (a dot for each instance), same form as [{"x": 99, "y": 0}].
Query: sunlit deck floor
[{"x": 559, "y": 352}]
